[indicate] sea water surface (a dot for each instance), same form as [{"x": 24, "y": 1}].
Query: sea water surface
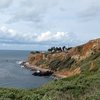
[{"x": 13, "y": 76}]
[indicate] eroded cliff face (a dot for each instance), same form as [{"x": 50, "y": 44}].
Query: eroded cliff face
[{"x": 69, "y": 61}]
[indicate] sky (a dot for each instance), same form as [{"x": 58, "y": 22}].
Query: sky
[{"x": 41, "y": 24}]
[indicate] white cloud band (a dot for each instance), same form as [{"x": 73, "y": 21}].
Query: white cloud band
[{"x": 11, "y": 36}]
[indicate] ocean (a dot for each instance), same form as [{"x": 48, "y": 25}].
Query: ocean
[{"x": 13, "y": 76}]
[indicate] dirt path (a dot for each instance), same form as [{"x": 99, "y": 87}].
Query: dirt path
[{"x": 27, "y": 65}]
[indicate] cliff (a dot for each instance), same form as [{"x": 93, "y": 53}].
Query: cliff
[{"x": 69, "y": 62}]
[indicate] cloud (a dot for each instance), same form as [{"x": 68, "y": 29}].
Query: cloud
[
  {"x": 48, "y": 36},
  {"x": 29, "y": 15},
  {"x": 5, "y": 3},
  {"x": 10, "y": 36},
  {"x": 91, "y": 11},
  {"x": 59, "y": 15},
  {"x": 31, "y": 11},
  {"x": 38, "y": 12}
]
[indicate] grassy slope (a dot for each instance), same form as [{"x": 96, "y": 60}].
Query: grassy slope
[{"x": 85, "y": 86}]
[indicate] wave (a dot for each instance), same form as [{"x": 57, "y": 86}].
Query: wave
[{"x": 19, "y": 62}]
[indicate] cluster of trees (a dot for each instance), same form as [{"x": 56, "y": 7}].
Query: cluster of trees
[
  {"x": 34, "y": 52},
  {"x": 55, "y": 49}
]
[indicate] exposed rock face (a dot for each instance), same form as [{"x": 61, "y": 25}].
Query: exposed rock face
[
  {"x": 69, "y": 60},
  {"x": 85, "y": 50}
]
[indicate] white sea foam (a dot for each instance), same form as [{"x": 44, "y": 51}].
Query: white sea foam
[
  {"x": 22, "y": 66},
  {"x": 19, "y": 62}
]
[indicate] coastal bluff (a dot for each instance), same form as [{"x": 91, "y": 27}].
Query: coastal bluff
[{"x": 67, "y": 62}]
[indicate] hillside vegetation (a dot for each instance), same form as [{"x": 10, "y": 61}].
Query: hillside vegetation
[{"x": 80, "y": 65}]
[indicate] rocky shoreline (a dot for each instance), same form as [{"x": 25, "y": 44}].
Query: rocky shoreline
[{"x": 37, "y": 71}]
